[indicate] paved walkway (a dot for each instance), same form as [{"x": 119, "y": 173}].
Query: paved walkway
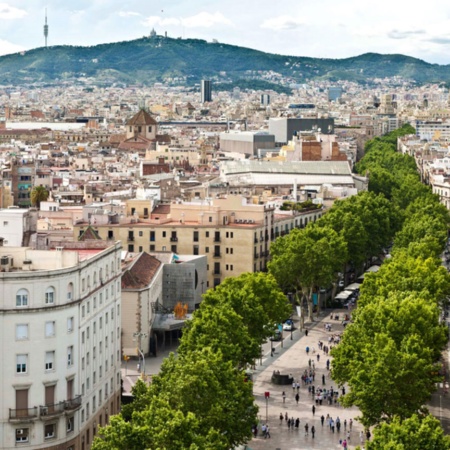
[{"x": 293, "y": 359}]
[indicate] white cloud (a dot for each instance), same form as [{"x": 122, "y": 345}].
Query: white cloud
[
  {"x": 282, "y": 23},
  {"x": 200, "y": 20},
  {"x": 205, "y": 20},
  {"x": 6, "y": 48},
  {"x": 128, "y": 14},
  {"x": 10, "y": 12}
]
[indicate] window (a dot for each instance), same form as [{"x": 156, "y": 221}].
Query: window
[
  {"x": 50, "y": 329},
  {"x": 83, "y": 311},
  {"x": 100, "y": 325},
  {"x": 49, "y": 360},
  {"x": 163, "y": 234},
  {"x": 22, "y": 298},
  {"x": 69, "y": 292},
  {"x": 82, "y": 415},
  {"x": 70, "y": 355},
  {"x": 21, "y": 332},
  {"x": 82, "y": 337},
  {"x": 140, "y": 233},
  {"x": 22, "y": 435},
  {"x": 50, "y": 431},
  {"x": 70, "y": 324},
  {"x": 207, "y": 234},
  {"x": 206, "y": 249},
  {"x": 70, "y": 424},
  {"x": 50, "y": 296},
  {"x": 87, "y": 332},
  {"x": 21, "y": 363},
  {"x": 195, "y": 250},
  {"x": 210, "y": 218},
  {"x": 195, "y": 238},
  {"x": 88, "y": 307},
  {"x": 231, "y": 234},
  {"x": 152, "y": 248}
]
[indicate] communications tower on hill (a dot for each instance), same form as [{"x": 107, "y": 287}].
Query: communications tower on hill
[{"x": 45, "y": 28}]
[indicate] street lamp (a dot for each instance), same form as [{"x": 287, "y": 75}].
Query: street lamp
[{"x": 140, "y": 335}]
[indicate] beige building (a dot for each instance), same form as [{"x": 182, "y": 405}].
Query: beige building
[
  {"x": 60, "y": 344},
  {"x": 233, "y": 234}
]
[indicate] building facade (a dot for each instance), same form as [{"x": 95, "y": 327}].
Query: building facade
[{"x": 60, "y": 345}]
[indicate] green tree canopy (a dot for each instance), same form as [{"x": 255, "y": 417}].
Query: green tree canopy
[
  {"x": 414, "y": 433},
  {"x": 308, "y": 258},
  {"x": 388, "y": 356},
  {"x": 197, "y": 401},
  {"x": 38, "y": 194}
]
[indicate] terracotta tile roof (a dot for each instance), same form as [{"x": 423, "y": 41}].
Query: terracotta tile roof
[
  {"x": 140, "y": 272},
  {"x": 142, "y": 118},
  {"x": 162, "y": 209}
]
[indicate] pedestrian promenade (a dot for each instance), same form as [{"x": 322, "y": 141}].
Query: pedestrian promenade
[{"x": 293, "y": 359}]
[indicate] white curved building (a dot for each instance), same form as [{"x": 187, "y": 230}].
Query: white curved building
[{"x": 59, "y": 344}]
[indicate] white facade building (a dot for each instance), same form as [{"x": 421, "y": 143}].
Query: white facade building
[{"x": 60, "y": 344}]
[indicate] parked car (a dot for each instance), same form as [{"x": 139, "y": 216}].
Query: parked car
[
  {"x": 288, "y": 325},
  {"x": 277, "y": 336}
]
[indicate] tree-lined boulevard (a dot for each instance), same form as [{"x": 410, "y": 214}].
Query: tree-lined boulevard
[{"x": 388, "y": 357}]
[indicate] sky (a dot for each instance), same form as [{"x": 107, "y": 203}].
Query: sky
[{"x": 318, "y": 28}]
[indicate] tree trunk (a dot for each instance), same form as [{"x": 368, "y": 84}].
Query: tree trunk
[{"x": 310, "y": 305}]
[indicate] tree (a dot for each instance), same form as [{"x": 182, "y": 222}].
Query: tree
[
  {"x": 38, "y": 194},
  {"x": 256, "y": 298},
  {"x": 425, "y": 277},
  {"x": 388, "y": 357},
  {"x": 414, "y": 433},
  {"x": 308, "y": 258},
  {"x": 197, "y": 401},
  {"x": 221, "y": 328}
]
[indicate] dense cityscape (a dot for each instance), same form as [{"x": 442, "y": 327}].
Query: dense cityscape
[{"x": 213, "y": 263}]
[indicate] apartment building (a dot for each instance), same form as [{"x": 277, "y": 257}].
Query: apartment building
[
  {"x": 234, "y": 235},
  {"x": 60, "y": 344}
]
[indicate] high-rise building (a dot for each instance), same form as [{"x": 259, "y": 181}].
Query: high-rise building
[
  {"x": 334, "y": 93},
  {"x": 206, "y": 91},
  {"x": 265, "y": 99}
]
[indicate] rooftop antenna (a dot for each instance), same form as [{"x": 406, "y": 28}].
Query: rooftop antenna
[{"x": 45, "y": 28}]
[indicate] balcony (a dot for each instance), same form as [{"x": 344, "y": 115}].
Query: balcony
[
  {"x": 217, "y": 272},
  {"x": 256, "y": 255},
  {"x": 23, "y": 415},
  {"x": 50, "y": 411},
  {"x": 217, "y": 254},
  {"x": 130, "y": 238},
  {"x": 216, "y": 238},
  {"x": 255, "y": 240},
  {"x": 73, "y": 404},
  {"x": 266, "y": 237},
  {"x": 173, "y": 239}
]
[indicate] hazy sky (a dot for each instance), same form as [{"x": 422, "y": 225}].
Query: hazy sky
[{"x": 317, "y": 28}]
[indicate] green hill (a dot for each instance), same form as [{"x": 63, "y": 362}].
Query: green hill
[{"x": 147, "y": 60}]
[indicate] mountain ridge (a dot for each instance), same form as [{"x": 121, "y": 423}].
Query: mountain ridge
[{"x": 151, "y": 59}]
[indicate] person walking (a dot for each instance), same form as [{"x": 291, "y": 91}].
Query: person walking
[
  {"x": 361, "y": 437},
  {"x": 318, "y": 357},
  {"x": 293, "y": 385},
  {"x": 313, "y": 409},
  {"x": 322, "y": 419},
  {"x": 284, "y": 396},
  {"x": 368, "y": 434},
  {"x": 306, "y": 332},
  {"x": 267, "y": 431},
  {"x": 297, "y": 397},
  {"x": 306, "y": 429},
  {"x": 286, "y": 416},
  {"x": 289, "y": 424},
  {"x": 297, "y": 423},
  {"x": 323, "y": 379},
  {"x": 344, "y": 444},
  {"x": 313, "y": 430},
  {"x": 345, "y": 424},
  {"x": 350, "y": 423}
]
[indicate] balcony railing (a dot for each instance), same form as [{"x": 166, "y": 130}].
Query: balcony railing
[
  {"x": 73, "y": 403},
  {"x": 216, "y": 238},
  {"x": 173, "y": 239},
  {"x": 23, "y": 414},
  {"x": 256, "y": 255},
  {"x": 130, "y": 238},
  {"x": 52, "y": 410},
  {"x": 217, "y": 272}
]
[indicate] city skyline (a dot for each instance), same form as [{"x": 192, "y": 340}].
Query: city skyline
[{"x": 290, "y": 28}]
